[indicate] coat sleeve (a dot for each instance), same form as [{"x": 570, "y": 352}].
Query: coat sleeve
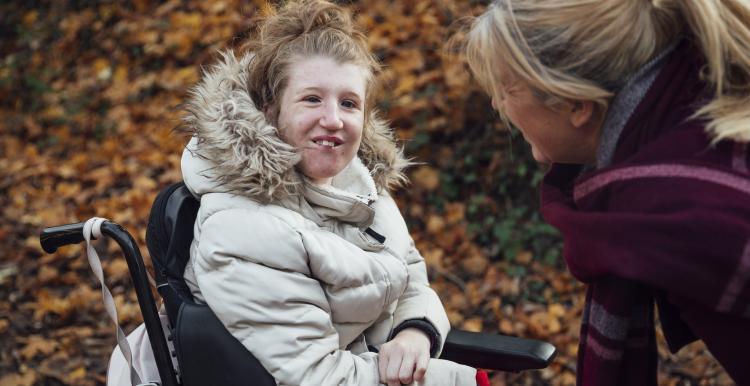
[
  {"x": 419, "y": 303},
  {"x": 258, "y": 284}
]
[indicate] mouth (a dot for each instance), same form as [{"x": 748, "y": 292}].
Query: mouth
[{"x": 328, "y": 141}]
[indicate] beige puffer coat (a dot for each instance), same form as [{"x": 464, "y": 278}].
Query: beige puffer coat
[{"x": 293, "y": 269}]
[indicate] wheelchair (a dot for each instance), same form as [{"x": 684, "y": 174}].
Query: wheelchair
[{"x": 205, "y": 351}]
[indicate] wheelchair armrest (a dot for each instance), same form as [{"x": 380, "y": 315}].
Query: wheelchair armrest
[
  {"x": 497, "y": 352},
  {"x": 209, "y": 355}
]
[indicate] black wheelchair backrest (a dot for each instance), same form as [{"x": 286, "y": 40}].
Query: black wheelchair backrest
[
  {"x": 168, "y": 238},
  {"x": 207, "y": 353}
]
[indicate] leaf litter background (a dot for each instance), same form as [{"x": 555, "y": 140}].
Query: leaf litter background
[{"x": 88, "y": 97}]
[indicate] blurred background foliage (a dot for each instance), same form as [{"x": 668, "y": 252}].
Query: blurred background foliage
[{"x": 89, "y": 92}]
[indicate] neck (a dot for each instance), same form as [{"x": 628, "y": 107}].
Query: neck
[{"x": 321, "y": 181}]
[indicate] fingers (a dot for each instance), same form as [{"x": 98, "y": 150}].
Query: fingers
[
  {"x": 421, "y": 367},
  {"x": 406, "y": 371},
  {"x": 389, "y": 364},
  {"x": 383, "y": 364},
  {"x": 392, "y": 368},
  {"x": 396, "y": 367},
  {"x": 404, "y": 359},
  {"x": 392, "y": 376}
]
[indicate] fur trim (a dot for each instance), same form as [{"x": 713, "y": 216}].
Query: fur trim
[
  {"x": 248, "y": 156},
  {"x": 379, "y": 153}
]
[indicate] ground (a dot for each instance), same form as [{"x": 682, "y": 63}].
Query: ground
[{"x": 89, "y": 93}]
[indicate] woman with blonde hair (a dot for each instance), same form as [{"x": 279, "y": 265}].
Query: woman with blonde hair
[
  {"x": 298, "y": 247},
  {"x": 643, "y": 109}
]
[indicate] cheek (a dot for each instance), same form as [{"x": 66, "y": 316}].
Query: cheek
[
  {"x": 294, "y": 130},
  {"x": 512, "y": 110},
  {"x": 357, "y": 135},
  {"x": 355, "y": 129}
]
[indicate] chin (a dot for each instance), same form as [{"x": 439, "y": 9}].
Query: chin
[
  {"x": 541, "y": 158},
  {"x": 324, "y": 165},
  {"x": 317, "y": 174}
]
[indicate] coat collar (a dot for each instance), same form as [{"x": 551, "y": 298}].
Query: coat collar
[{"x": 349, "y": 198}]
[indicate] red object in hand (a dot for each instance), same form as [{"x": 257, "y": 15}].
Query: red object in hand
[{"x": 482, "y": 378}]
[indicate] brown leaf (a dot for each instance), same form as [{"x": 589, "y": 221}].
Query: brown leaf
[
  {"x": 475, "y": 264},
  {"x": 426, "y": 177},
  {"x": 473, "y": 324},
  {"x": 30, "y": 17},
  {"x": 77, "y": 374},
  {"x": 433, "y": 257},
  {"x": 506, "y": 327},
  {"x": 455, "y": 212},
  {"x": 26, "y": 379},
  {"x": 524, "y": 257},
  {"x": 38, "y": 345},
  {"x": 556, "y": 310},
  {"x": 68, "y": 189},
  {"x": 117, "y": 269},
  {"x": 49, "y": 303},
  {"x": 434, "y": 224},
  {"x": 102, "y": 68},
  {"x": 47, "y": 274}
]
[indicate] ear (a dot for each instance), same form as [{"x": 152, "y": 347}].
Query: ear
[
  {"x": 271, "y": 114},
  {"x": 581, "y": 113}
]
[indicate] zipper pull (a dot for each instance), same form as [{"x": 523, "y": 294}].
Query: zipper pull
[{"x": 377, "y": 236}]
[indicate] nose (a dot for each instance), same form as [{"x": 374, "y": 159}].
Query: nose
[{"x": 330, "y": 117}]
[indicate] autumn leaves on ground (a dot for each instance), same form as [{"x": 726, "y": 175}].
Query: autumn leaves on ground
[{"x": 89, "y": 93}]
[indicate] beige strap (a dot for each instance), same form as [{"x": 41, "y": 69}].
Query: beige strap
[{"x": 92, "y": 227}]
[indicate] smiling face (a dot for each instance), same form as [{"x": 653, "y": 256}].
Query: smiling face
[
  {"x": 321, "y": 112},
  {"x": 568, "y": 133}
]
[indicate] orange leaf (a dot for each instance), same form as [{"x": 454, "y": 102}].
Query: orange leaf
[
  {"x": 426, "y": 177},
  {"x": 473, "y": 324},
  {"x": 38, "y": 345},
  {"x": 26, "y": 379}
]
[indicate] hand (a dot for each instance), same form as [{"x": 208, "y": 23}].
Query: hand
[{"x": 404, "y": 359}]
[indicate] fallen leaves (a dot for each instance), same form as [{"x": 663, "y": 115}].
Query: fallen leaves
[
  {"x": 26, "y": 379},
  {"x": 88, "y": 99},
  {"x": 36, "y": 344},
  {"x": 426, "y": 177}
]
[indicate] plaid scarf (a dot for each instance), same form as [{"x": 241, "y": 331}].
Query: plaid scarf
[{"x": 668, "y": 222}]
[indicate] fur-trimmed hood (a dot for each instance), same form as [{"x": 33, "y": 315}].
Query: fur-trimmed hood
[{"x": 236, "y": 150}]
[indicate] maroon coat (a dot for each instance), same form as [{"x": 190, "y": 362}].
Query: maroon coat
[{"x": 667, "y": 222}]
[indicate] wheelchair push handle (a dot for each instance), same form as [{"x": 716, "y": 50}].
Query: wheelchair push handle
[{"x": 58, "y": 236}]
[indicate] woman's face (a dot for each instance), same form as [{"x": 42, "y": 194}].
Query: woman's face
[
  {"x": 321, "y": 112},
  {"x": 567, "y": 134}
]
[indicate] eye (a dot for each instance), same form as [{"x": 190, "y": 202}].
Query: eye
[
  {"x": 510, "y": 90},
  {"x": 311, "y": 99},
  {"x": 349, "y": 104}
]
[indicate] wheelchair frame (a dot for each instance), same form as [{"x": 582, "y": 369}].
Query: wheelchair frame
[{"x": 480, "y": 350}]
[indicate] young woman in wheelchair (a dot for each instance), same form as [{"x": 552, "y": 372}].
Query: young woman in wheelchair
[{"x": 298, "y": 247}]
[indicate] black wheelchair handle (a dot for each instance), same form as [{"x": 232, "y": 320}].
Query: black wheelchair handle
[{"x": 55, "y": 237}]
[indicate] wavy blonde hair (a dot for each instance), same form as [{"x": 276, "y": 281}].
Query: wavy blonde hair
[{"x": 571, "y": 50}]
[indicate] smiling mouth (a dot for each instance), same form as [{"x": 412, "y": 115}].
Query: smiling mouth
[{"x": 328, "y": 141}]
